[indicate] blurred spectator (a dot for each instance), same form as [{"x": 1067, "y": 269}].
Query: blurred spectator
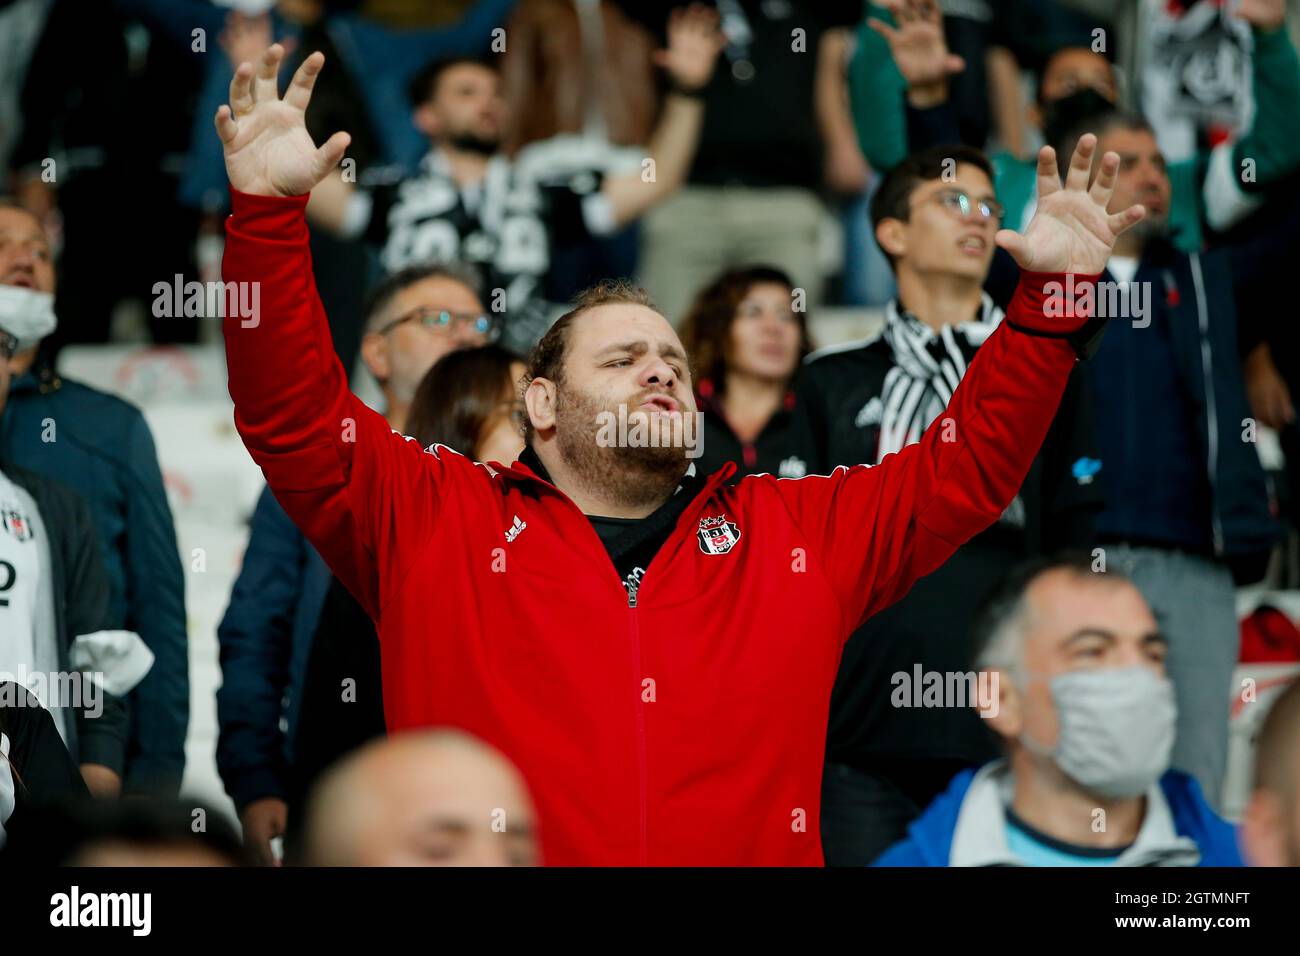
[
  {"x": 1188, "y": 63},
  {"x": 865, "y": 278},
  {"x": 1220, "y": 184},
  {"x": 135, "y": 832},
  {"x": 580, "y": 75},
  {"x": 35, "y": 766},
  {"x": 1187, "y": 508},
  {"x": 71, "y": 150},
  {"x": 379, "y": 60},
  {"x": 862, "y": 401},
  {"x": 752, "y": 191},
  {"x": 1073, "y": 662},
  {"x": 1270, "y": 827},
  {"x": 101, "y": 447},
  {"x": 423, "y": 798},
  {"x": 469, "y": 201},
  {"x": 55, "y": 617},
  {"x": 285, "y": 597},
  {"x": 747, "y": 332},
  {"x": 577, "y": 66},
  {"x": 21, "y": 23},
  {"x": 470, "y": 401}
]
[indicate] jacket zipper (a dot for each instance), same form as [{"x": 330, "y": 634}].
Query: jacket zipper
[{"x": 634, "y": 629}]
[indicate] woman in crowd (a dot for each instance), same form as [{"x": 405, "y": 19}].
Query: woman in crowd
[
  {"x": 470, "y": 401},
  {"x": 747, "y": 333}
]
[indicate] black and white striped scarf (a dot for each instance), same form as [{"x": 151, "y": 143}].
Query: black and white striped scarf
[{"x": 927, "y": 369}]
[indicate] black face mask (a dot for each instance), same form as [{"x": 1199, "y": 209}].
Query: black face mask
[{"x": 1063, "y": 116}]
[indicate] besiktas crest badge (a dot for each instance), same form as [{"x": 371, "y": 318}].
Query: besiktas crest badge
[{"x": 717, "y": 535}]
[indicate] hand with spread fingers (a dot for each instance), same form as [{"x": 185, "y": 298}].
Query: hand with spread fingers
[
  {"x": 268, "y": 149},
  {"x": 1071, "y": 231}
]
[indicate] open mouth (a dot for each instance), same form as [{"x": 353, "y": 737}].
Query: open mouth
[
  {"x": 972, "y": 244},
  {"x": 661, "y": 403},
  {"x": 22, "y": 281}
]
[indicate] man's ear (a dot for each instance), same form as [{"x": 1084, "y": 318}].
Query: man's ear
[
  {"x": 425, "y": 120},
  {"x": 539, "y": 399},
  {"x": 892, "y": 235},
  {"x": 374, "y": 352},
  {"x": 1005, "y": 717}
]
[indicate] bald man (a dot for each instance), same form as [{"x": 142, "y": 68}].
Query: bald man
[
  {"x": 1270, "y": 827},
  {"x": 425, "y": 798}
]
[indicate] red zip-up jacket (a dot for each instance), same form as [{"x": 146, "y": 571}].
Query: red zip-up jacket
[{"x": 690, "y": 728}]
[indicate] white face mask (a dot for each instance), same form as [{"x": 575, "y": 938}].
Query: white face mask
[
  {"x": 1116, "y": 729},
  {"x": 26, "y": 314}
]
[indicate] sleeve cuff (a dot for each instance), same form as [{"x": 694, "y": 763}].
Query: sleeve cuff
[
  {"x": 268, "y": 218},
  {"x": 1056, "y": 304}
]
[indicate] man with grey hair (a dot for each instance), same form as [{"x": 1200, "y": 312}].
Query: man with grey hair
[
  {"x": 1086, "y": 717},
  {"x": 422, "y": 798}
]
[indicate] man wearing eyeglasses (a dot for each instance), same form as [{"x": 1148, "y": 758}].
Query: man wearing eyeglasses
[
  {"x": 290, "y": 624},
  {"x": 935, "y": 218}
]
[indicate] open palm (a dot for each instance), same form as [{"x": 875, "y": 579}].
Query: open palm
[
  {"x": 1071, "y": 230},
  {"x": 268, "y": 149}
]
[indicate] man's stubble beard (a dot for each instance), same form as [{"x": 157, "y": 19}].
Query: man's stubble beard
[
  {"x": 473, "y": 143},
  {"x": 629, "y": 477}
]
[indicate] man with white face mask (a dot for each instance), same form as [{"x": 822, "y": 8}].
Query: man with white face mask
[{"x": 1086, "y": 715}]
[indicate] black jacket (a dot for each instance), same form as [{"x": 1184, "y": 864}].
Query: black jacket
[
  {"x": 81, "y": 606},
  {"x": 929, "y": 627},
  {"x": 41, "y": 768}
]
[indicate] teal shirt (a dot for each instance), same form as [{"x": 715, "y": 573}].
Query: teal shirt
[{"x": 878, "y": 100}]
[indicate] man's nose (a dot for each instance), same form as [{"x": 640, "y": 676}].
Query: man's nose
[
  {"x": 20, "y": 259},
  {"x": 659, "y": 372}
]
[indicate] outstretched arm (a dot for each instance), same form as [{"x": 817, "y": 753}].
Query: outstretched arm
[
  {"x": 337, "y": 468},
  {"x": 898, "y": 521}
]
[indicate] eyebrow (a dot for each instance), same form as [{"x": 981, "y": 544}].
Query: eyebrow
[
  {"x": 453, "y": 826},
  {"x": 1088, "y": 632},
  {"x": 957, "y": 187},
  {"x": 1152, "y": 637},
  {"x": 640, "y": 348}
]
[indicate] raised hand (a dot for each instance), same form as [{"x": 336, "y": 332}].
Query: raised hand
[
  {"x": 1262, "y": 14},
  {"x": 694, "y": 41},
  {"x": 917, "y": 44},
  {"x": 268, "y": 149},
  {"x": 1071, "y": 230}
]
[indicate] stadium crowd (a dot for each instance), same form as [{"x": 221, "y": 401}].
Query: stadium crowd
[{"x": 1033, "y": 587}]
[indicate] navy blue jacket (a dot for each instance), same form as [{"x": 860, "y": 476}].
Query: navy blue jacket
[
  {"x": 929, "y": 837},
  {"x": 265, "y": 638},
  {"x": 100, "y": 446},
  {"x": 1195, "y": 292}
]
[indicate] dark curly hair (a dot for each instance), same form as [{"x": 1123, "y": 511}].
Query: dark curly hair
[{"x": 706, "y": 331}]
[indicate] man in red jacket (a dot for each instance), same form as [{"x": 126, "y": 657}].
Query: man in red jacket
[{"x": 655, "y": 650}]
